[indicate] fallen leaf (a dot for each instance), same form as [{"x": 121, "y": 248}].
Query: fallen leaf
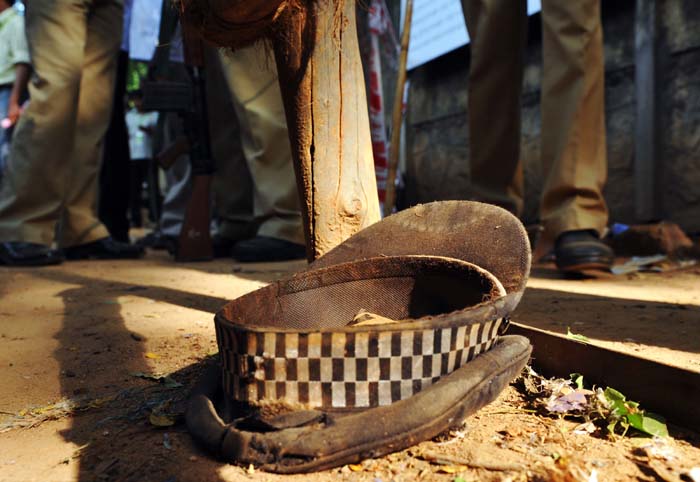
[
  {"x": 162, "y": 379},
  {"x": 355, "y": 467},
  {"x": 151, "y": 355},
  {"x": 365, "y": 318},
  {"x": 573, "y": 401},
  {"x": 161, "y": 420},
  {"x": 574, "y": 336},
  {"x": 586, "y": 428}
]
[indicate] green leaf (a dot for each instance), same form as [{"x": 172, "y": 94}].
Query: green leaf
[
  {"x": 612, "y": 395},
  {"x": 459, "y": 479},
  {"x": 577, "y": 378},
  {"x": 618, "y": 409},
  {"x": 649, "y": 423},
  {"x": 636, "y": 420},
  {"x": 574, "y": 336}
]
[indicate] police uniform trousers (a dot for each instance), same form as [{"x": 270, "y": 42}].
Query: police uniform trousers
[
  {"x": 573, "y": 148},
  {"x": 257, "y": 189},
  {"x": 53, "y": 164}
]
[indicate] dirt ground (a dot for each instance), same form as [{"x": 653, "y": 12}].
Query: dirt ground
[{"x": 72, "y": 338}]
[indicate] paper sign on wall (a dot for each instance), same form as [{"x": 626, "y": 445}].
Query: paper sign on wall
[
  {"x": 438, "y": 27},
  {"x": 145, "y": 26}
]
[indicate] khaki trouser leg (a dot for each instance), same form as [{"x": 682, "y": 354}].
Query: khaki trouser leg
[
  {"x": 573, "y": 118},
  {"x": 252, "y": 78},
  {"x": 232, "y": 184},
  {"x": 104, "y": 31},
  {"x": 38, "y": 166},
  {"x": 498, "y": 31}
]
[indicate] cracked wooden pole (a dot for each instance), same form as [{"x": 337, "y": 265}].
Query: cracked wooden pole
[{"x": 321, "y": 79}]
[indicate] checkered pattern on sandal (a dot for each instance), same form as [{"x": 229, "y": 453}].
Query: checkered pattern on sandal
[{"x": 345, "y": 369}]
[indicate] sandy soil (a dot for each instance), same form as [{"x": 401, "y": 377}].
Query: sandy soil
[{"x": 78, "y": 332}]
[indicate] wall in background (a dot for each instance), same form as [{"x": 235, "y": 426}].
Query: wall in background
[{"x": 438, "y": 141}]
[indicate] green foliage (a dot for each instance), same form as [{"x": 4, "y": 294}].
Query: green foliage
[
  {"x": 608, "y": 409},
  {"x": 135, "y": 74},
  {"x": 577, "y": 378},
  {"x": 626, "y": 414}
]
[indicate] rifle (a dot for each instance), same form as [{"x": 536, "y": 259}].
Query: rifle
[
  {"x": 188, "y": 99},
  {"x": 169, "y": 154}
]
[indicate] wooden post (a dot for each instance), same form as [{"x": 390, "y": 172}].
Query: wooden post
[
  {"x": 648, "y": 178},
  {"x": 321, "y": 79},
  {"x": 390, "y": 197},
  {"x": 323, "y": 89}
]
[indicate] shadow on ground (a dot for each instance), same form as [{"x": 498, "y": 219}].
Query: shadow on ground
[
  {"x": 98, "y": 354},
  {"x": 116, "y": 439}
]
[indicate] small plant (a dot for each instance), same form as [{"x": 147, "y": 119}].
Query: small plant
[
  {"x": 607, "y": 409},
  {"x": 625, "y": 413}
]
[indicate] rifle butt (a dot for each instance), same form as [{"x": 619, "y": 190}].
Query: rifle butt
[
  {"x": 167, "y": 157},
  {"x": 194, "y": 242}
]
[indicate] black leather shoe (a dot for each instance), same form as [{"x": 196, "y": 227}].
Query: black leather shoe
[
  {"x": 222, "y": 247},
  {"x": 157, "y": 241},
  {"x": 264, "y": 248},
  {"x": 17, "y": 253},
  {"x": 105, "y": 248},
  {"x": 582, "y": 250}
]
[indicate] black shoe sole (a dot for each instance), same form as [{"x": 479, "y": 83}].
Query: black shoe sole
[
  {"x": 100, "y": 256},
  {"x": 254, "y": 258},
  {"x": 264, "y": 250},
  {"x": 584, "y": 263},
  {"x": 30, "y": 262}
]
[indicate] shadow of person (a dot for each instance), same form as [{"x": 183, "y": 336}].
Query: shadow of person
[{"x": 98, "y": 357}]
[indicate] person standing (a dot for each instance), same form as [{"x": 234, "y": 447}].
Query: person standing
[
  {"x": 276, "y": 213},
  {"x": 14, "y": 72},
  {"x": 141, "y": 126},
  {"x": 115, "y": 171},
  {"x": 256, "y": 203},
  {"x": 51, "y": 177},
  {"x": 572, "y": 209}
]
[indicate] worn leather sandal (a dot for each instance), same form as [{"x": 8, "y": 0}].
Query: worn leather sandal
[{"x": 388, "y": 340}]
